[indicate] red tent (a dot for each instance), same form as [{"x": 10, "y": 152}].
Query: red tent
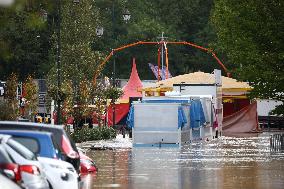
[
  {"x": 133, "y": 84},
  {"x": 129, "y": 90}
]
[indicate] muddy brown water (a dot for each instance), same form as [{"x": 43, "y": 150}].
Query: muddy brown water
[{"x": 231, "y": 162}]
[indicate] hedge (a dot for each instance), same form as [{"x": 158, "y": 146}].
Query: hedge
[{"x": 98, "y": 133}]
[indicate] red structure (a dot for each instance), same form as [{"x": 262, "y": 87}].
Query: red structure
[
  {"x": 130, "y": 90},
  {"x": 132, "y": 86}
]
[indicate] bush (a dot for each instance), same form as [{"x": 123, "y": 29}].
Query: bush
[{"x": 98, "y": 133}]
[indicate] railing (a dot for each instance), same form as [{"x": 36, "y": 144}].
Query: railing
[
  {"x": 271, "y": 122},
  {"x": 277, "y": 142}
]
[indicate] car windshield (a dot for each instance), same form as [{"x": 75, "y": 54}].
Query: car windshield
[{"x": 22, "y": 150}]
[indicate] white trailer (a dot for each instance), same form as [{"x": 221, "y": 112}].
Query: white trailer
[
  {"x": 160, "y": 124},
  {"x": 171, "y": 121}
]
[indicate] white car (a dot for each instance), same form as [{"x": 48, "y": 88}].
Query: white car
[
  {"x": 60, "y": 174},
  {"x": 31, "y": 171}
]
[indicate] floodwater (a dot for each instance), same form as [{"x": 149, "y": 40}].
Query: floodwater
[{"x": 228, "y": 162}]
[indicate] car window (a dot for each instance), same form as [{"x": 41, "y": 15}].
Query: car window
[
  {"x": 31, "y": 143},
  {"x": 21, "y": 150},
  {"x": 66, "y": 146},
  {"x": 3, "y": 156},
  {"x": 71, "y": 142}
]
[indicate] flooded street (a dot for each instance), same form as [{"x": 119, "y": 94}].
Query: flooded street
[{"x": 228, "y": 162}]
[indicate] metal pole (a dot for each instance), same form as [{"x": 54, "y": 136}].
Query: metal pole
[
  {"x": 58, "y": 63},
  {"x": 162, "y": 54},
  {"x": 113, "y": 100},
  {"x": 113, "y": 74}
]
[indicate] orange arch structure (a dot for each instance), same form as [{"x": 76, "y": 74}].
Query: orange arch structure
[{"x": 166, "y": 52}]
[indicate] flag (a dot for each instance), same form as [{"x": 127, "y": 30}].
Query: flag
[{"x": 162, "y": 72}]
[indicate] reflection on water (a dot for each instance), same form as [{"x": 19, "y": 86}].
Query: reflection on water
[{"x": 228, "y": 162}]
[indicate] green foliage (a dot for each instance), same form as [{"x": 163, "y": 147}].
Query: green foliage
[
  {"x": 113, "y": 93},
  {"x": 27, "y": 42},
  {"x": 98, "y": 133},
  {"x": 9, "y": 114},
  {"x": 183, "y": 20},
  {"x": 23, "y": 40},
  {"x": 250, "y": 33},
  {"x": 79, "y": 63},
  {"x": 11, "y": 97},
  {"x": 31, "y": 95}
]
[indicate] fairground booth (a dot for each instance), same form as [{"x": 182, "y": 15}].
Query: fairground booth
[{"x": 239, "y": 113}]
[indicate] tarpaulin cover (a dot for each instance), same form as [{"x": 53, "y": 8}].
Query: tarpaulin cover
[
  {"x": 242, "y": 121},
  {"x": 130, "y": 118},
  {"x": 121, "y": 110},
  {"x": 166, "y": 101},
  {"x": 197, "y": 118},
  {"x": 133, "y": 84},
  {"x": 181, "y": 117},
  {"x": 234, "y": 106}
]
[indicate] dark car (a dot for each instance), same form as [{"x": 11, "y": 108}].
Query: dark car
[{"x": 67, "y": 147}]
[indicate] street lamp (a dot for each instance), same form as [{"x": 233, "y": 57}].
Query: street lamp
[
  {"x": 99, "y": 32},
  {"x": 58, "y": 62},
  {"x": 126, "y": 15}
]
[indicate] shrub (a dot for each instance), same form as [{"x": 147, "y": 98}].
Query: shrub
[{"x": 98, "y": 133}]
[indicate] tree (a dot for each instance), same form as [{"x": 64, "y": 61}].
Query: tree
[
  {"x": 24, "y": 39},
  {"x": 31, "y": 96},
  {"x": 10, "y": 99},
  {"x": 79, "y": 63},
  {"x": 183, "y": 20},
  {"x": 103, "y": 91},
  {"x": 251, "y": 34}
]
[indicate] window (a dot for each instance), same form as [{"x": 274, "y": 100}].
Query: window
[
  {"x": 21, "y": 150},
  {"x": 67, "y": 148},
  {"x": 31, "y": 143},
  {"x": 3, "y": 156}
]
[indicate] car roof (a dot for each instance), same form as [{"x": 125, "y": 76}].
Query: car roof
[
  {"x": 30, "y": 124},
  {"x": 26, "y": 132},
  {"x": 4, "y": 137}
]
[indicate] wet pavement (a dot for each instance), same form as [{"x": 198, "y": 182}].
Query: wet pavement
[{"x": 228, "y": 162}]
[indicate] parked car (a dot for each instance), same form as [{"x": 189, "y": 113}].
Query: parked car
[
  {"x": 60, "y": 174},
  {"x": 6, "y": 183},
  {"x": 67, "y": 147},
  {"x": 30, "y": 170},
  {"x": 87, "y": 164},
  {"x": 9, "y": 168},
  {"x": 40, "y": 143}
]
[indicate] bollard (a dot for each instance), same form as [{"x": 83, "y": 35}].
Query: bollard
[{"x": 282, "y": 142}]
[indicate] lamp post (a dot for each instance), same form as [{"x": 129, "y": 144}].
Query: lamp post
[
  {"x": 99, "y": 31},
  {"x": 58, "y": 62}
]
